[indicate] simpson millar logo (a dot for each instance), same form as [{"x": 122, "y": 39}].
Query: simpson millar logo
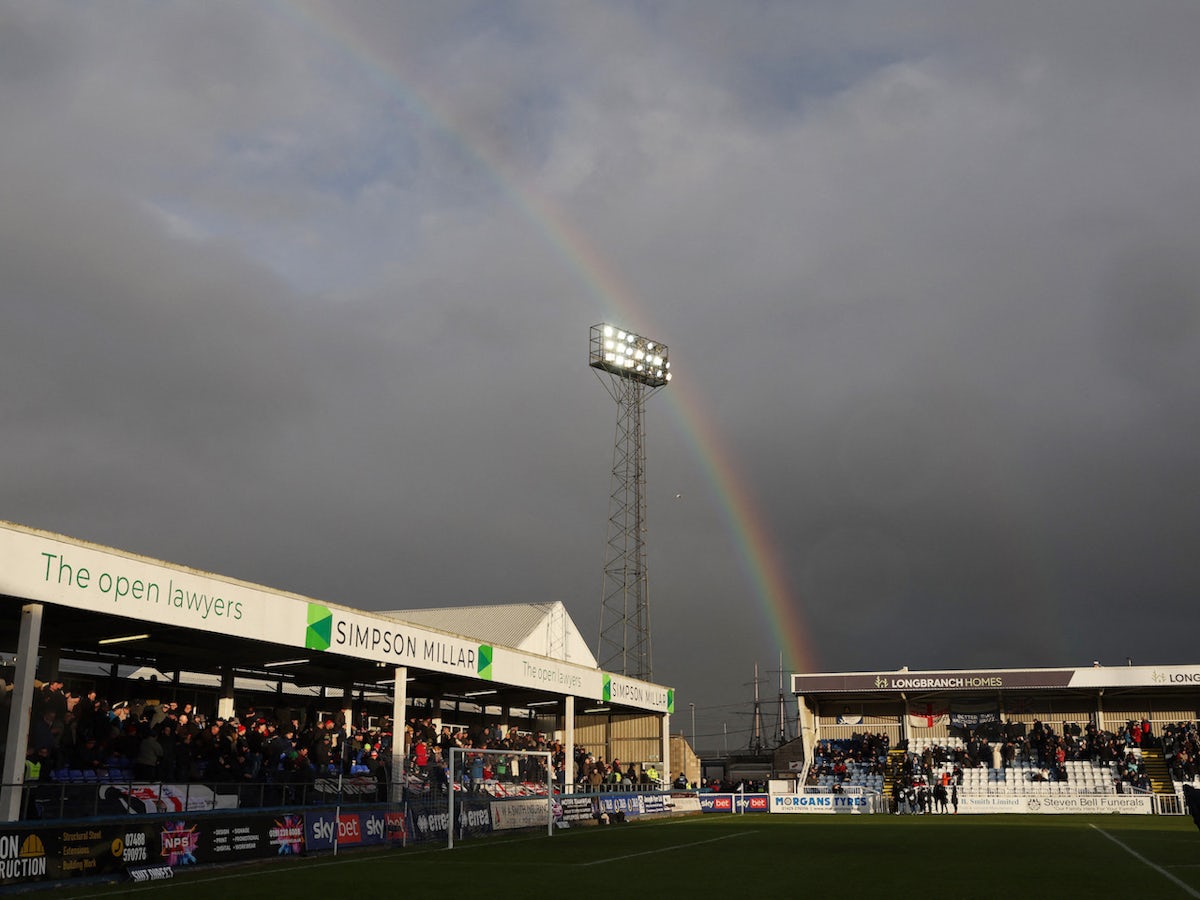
[
  {"x": 399, "y": 643},
  {"x": 319, "y": 633}
]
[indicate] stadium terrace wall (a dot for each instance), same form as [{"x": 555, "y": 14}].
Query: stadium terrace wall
[{"x": 628, "y": 738}]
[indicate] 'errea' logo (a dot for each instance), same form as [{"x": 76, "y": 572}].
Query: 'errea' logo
[{"x": 320, "y": 627}]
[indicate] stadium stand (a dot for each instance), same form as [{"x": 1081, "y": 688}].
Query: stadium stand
[
  {"x": 268, "y": 756},
  {"x": 1100, "y": 733}
]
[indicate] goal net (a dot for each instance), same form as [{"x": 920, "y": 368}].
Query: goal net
[{"x": 498, "y": 791}]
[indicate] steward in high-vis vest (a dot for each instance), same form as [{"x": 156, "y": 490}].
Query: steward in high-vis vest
[
  {"x": 37, "y": 765},
  {"x": 37, "y": 769}
]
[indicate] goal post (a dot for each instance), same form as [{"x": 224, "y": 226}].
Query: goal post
[{"x": 493, "y": 790}]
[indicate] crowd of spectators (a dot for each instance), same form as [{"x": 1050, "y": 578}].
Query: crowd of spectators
[
  {"x": 164, "y": 741},
  {"x": 864, "y": 754},
  {"x": 1043, "y": 750},
  {"x": 429, "y": 753},
  {"x": 1039, "y": 750},
  {"x": 151, "y": 740},
  {"x": 1181, "y": 749}
]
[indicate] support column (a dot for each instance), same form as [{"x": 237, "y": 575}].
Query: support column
[
  {"x": 19, "y": 713},
  {"x": 665, "y": 772},
  {"x": 348, "y": 707},
  {"x": 225, "y": 704},
  {"x": 569, "y": 743},
  {"x": 809, "y": 721},
  {"x": 399, "y": 702}
]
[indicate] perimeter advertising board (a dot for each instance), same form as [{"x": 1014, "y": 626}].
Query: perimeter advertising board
[
  {"x": 733, "y": 803},
  {"x": 824, "y": 804},
  {"x": 1059, "y": 804},
  {"x": 55, "y": 854},
  {"x": 508, "y": 815},
  {"x": 325, "y": 829},
  {"x": 575, "y": 809}
]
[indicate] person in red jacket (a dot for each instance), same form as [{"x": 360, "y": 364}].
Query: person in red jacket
[{"x": 421, "y": 756}]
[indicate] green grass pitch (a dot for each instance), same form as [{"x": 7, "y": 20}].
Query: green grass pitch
[{"x": 889, "y": 857}]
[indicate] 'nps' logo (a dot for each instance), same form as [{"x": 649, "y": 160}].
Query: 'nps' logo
[{"x": 320, "y": 628}]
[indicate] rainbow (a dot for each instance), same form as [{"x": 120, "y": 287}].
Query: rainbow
[{"x": 756, "y": 551}]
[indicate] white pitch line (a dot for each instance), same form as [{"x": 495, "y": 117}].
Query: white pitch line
[
  {"x": 1192, "y": 892},
  {"x": 725, "y": 837}
]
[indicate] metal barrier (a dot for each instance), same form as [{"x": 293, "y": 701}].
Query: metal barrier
[
  {"x": 585, "y": 788},
  {"x": 1168, "y": 805},
  {"x": 59, "y": 800}
]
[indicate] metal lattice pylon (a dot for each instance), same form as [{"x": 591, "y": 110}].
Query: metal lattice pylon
[
  {"x": 632, "y": 368},
  {"x": 625, "y": 643}
]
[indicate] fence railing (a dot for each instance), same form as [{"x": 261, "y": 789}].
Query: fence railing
[
  {"x": 586, "y": 788},
  {"x": 52, "y": 800},
  {"x": 1168, "y": 805}
]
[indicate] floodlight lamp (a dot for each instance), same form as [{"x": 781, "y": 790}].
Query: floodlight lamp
[{"x": 629, "y": 355}]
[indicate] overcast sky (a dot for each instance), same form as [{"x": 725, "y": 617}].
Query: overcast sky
[{"x": 299, "y": 293}]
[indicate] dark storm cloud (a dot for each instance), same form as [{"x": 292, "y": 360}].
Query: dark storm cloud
[{"x": 288, "y": 295}]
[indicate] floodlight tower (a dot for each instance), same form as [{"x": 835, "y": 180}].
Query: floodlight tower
[{"x": 632, "y": 368}]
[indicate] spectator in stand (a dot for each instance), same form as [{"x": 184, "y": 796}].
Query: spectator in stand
[
  {"x": 149, "y": 757},
  {"x": 940, "y": 796},
  {"x": 45, "y": 733},
  {"x": 420, "y": 756},
  {"x": 166, "y": 737},
  {"x": 439, "y": 780}
]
